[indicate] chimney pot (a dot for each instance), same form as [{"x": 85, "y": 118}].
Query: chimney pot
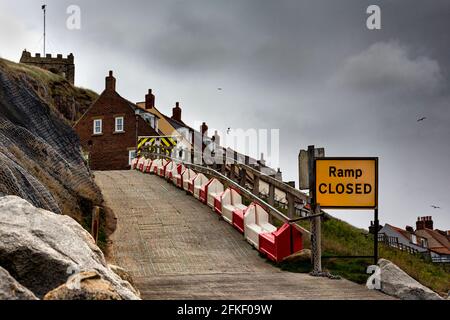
[
  {"x": 176, "y": 112},
  {"x": 110, "y": 82},
  {"x": 204, "y": 129},
  {"x": 149, "y": 100}
]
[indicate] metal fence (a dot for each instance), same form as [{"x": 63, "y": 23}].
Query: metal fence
[{"x": 394, "y": 243}]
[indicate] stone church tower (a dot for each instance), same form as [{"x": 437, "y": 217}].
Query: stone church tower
[{"x": 59, "y": 65}]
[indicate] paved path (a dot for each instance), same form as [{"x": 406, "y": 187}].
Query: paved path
[{"x": 177, "y": 248}]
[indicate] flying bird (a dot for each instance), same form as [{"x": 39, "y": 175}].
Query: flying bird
[
  {"x": 421, "y": 119},
  {"x": 435, "y": 207},
  {"x": 220, "y": 89}
]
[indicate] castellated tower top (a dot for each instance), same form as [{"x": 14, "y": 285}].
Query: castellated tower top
[{"x": 58, "y": 65}]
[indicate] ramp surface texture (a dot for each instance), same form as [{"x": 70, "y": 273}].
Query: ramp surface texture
[{"x": 177, "y": 248}]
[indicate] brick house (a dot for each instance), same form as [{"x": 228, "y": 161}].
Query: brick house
[{"x": 109, "y": 128}]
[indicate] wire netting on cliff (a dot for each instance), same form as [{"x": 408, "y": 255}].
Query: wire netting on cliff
[{"x": 40, "y": 157}]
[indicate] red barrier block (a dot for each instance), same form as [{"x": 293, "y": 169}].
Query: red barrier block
[
  {"x": 203, "y": 195},
  {"x": 238, "y": 220},
  {"x": 218, "y": 205},
  {"x": 180, "y": 182},
  {"x": 191, "y": 187},
  {"x": 281, "y": 243},
  {"x": 147, "y": 170},
  {"x": 134, "y": 163}
]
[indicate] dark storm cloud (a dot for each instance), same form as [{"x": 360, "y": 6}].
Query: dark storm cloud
[{"x": 310, "y": 68}]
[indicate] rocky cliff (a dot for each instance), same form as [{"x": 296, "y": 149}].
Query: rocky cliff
[
  {"x": 40, "y": 158},
  {"x": 45, "y": 189}
]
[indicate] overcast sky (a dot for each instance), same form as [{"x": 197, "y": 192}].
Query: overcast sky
[{"x": 309, "y": 68}]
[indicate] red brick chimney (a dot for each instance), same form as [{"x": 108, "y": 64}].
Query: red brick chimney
[
  {"x": 149, "y": 100},
  {"x": 176, "y": 112},
  {"x": 204, "y": 129},
  {"x": 110, "y": 82},
  {"x": 424, "y": 222}
]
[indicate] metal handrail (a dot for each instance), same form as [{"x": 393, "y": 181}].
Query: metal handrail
[
  {"x": 272, "y": 210},
  {"x": 280, "y": 185},
  {"x": 286, "y": 188}
]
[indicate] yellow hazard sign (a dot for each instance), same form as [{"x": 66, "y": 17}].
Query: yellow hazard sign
[
  {"x": 346, "y": 183},
  {"x": 167, "y": 143}
]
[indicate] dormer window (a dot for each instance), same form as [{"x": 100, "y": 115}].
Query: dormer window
[{"x": 119, "y": 121}]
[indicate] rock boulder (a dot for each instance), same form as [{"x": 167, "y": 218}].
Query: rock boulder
[
  {"x": 42, "y": 250},
  {"x": 10, "y": 289},
  {"x": 87, "y": 285},
  {"x": 395, "y": 282}
]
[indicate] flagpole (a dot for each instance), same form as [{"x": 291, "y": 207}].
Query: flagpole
[{"x": 43, "y": 8}]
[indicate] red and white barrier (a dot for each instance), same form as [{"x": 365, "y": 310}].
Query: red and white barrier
[
  {"x": 213, "y": 190},
  {"x": 162, "y": 167},
  {"x": 168, "y": 170},
  {"x": 140, "y": 164},
  {"x": 188, "y": 176},
  {"x": 256, "y": 222},
  {"x": 281, "y": 243},
  {"x": 147, "y": 165},
  {"x": 198, "y": 184},
  {"x": 251, "y": 229},
  {"x": 134, "y": 163},
  {"x": 176, "y": 175},
  {"x": 154, "y": 166},
  {"x": 230, "y": 201}
]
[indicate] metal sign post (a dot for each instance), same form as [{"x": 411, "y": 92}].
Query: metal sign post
[{"x": 375, "y": 235}]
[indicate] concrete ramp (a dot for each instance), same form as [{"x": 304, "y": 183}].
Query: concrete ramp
[{"x": 177, "y": 248}]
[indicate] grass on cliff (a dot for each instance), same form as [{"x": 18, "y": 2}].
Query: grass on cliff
[
  {"x": 54, "y": 89},
  {"x": 341, "y": 238}
]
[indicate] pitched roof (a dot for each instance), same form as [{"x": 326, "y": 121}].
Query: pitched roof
[
  {"x": 402, "y": 232},
  {"x": 440, "y": 250},
  {"x": 440, "y": 241},
  {"x": 177, "y": 124}
]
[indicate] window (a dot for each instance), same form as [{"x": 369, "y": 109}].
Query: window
[
  {"x": 119, "y": 124},
  {"x": 423, "y": 243},
  {"x": 98, "y": 126},
  {"x": 131, "y": 156},
  {"x": 414, "y": 239}
]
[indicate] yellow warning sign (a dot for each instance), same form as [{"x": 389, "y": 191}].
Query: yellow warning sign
[{"x": 346, "y": 183}]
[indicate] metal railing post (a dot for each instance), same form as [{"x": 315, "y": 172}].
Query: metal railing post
[
  {"x": 255, "y": 184},
  {"x": 291, "y": 205},
  {"x": 271, "y": 198}
]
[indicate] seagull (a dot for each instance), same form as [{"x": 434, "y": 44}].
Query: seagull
[
  {"x": 421, "y": 119},
  {"x": 220, "y": 89},
  {"x": 228, "y": 130},
  {"x": 435, "y": 207}
]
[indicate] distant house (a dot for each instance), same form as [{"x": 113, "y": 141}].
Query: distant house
[
  {"x": 438, "y": 240},
  {"x": 165, "y": 127},
  {"x": 108, "y": 130},
  {"x": 424, "y": 239},
  {"x": 199, "y": 138},
  {"x": 406, "y": 237}
]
